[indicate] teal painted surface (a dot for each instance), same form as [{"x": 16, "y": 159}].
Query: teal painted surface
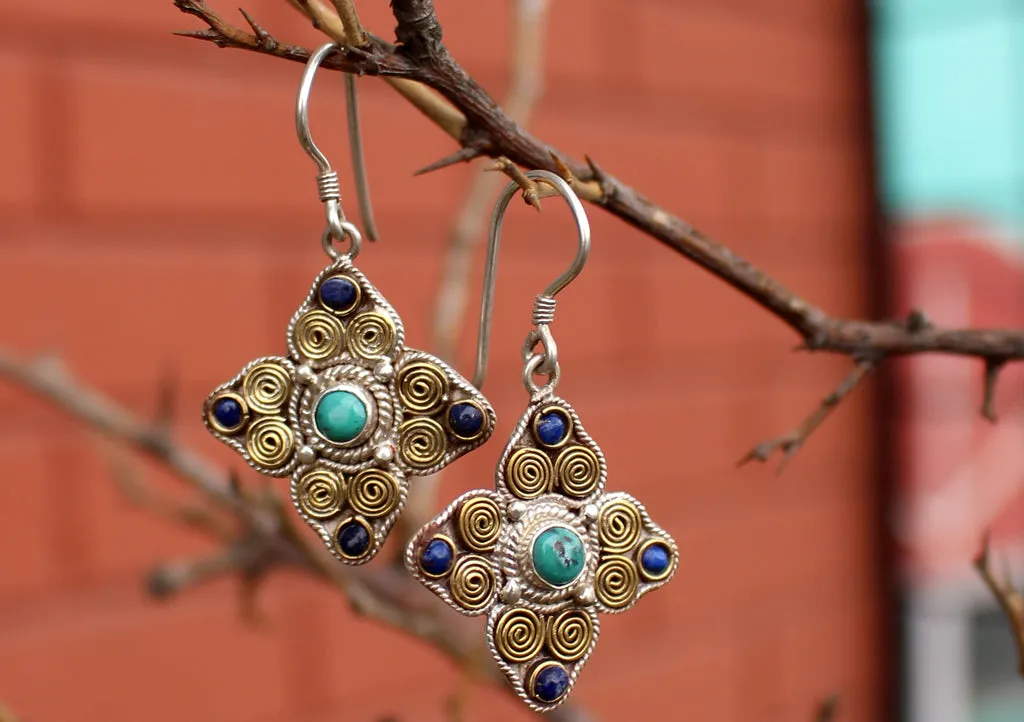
[{"x": 950, "y": 91}]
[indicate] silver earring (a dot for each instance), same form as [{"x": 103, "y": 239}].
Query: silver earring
[
  {"x": 350, "y": 413},
  {"x": 548, "y": 549}
]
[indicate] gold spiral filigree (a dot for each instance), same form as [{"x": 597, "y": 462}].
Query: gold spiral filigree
[
  {"x": 577, "y": 470},
  {"x": 421, "y": 443},
  {"x": 318, "y": 335},
  {"x": 422, "y": 387},
  {"x": 373, "y": 493},
  {"x": 618, "y": 526},
  {"x": 269, "y": 442},
  {"x": 569, "y": 635},
  {"x": 518, "y": 635},
  {"x": 472, "y": 583},
  {"x": 479, "y": 523},
  {"x": 616, "y": 581},
  {"x": 529, "y": 473},
  {"x": 370, "y": 335},
  {"x": 266, "y": 387},
  {"x": 321, "y": 493}
]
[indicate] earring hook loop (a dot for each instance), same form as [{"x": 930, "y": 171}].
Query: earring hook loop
[
  {"x": 544, "y": 303},
  {"x": 328, "y": 186}
]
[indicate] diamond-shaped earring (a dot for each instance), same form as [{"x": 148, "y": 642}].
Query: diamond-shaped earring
[
  {"x": 351, "y": 412},
  {"x": 549, "y": 548}
]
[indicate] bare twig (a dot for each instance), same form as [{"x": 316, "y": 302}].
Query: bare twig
[
  {"x": 354, "y": 33},
  {"x": 988, "y": 404},
  {"x": 790, "y": 442},
  {"x": 1009, "y": 598},
  {"x": 6, "y": 715},
  {"x": 473, "y": 118},
  {"x": 531, "y": 191}
]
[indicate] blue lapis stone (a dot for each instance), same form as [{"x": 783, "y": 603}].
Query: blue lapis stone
[
  {"x": 437, "y": 557},
  {"x": 551, "y": 683},
  {"x": 228, "y": 413},
  {"x": 353, "y": 539},
  {"x": 656, "y": 559},
  {"x": 551, "y": 428},
  {"x": 338, "y": 293},
  {"x": 465, "y": 419}
]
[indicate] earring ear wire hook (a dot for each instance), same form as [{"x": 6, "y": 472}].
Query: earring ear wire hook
[
  {"x": 328, "y": 186},
  {"x": 544, "y": 303}
]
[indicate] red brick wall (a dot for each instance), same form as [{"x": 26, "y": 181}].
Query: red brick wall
[{"x": 156, "y": 211}]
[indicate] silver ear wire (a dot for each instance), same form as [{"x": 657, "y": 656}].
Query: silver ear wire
[
  {"x": 544, "y": 303},
  {"x": 338, "y": 227}
]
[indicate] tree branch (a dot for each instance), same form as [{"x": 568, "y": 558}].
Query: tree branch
[
  {"x": 790, "y": 442},
  {"x": 481, "y": 127},
  {"x": 1010, "y": 599}
]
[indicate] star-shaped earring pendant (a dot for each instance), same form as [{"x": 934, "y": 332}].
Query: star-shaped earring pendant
[
  {"x": 350, "y": 414},
  {"x": 544, "y": 552}
]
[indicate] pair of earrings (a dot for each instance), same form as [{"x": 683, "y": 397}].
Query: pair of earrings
[{"x": 351, "y": 413}]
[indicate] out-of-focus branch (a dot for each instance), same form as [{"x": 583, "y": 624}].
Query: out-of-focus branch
[
  {"x": 828, "y": 709},
  {"x": 6, "y": 715},
  {"x": 267, "y": 534},
  {"x": 480, "y": 126},
  {"x": 526, "y": 89},
  {"x": 1010, "y": 599},
  {"x": 790, "y": 442}
]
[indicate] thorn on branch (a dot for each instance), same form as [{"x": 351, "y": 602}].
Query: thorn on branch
[
  {"x": 462, "y": 155},
  {"x": 791, "y": 442},
  {"x": 562, "y": 169},
  {"x": 988, "y": 404},
  {"x": 1010, "y": 599},
  {"x": 917, "y": 321},
  {"x": 531, "y": 191},
  {"x": 602, "y": 178},
  {"x": 266, "y": 42}
]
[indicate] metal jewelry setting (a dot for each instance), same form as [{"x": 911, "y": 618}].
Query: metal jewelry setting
[
  {"x": 404, "y": 413},
  {"x": 549, "y": 548},
  {"x": 350, "y": 413},
  {"x": 480, "y": 554}
]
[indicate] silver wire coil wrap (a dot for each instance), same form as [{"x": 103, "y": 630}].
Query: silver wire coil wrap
[
  {"x": 543, "y": 310},
  {"x": 328, "y": 186}
]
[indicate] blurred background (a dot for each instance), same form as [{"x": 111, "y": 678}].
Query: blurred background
[{"x": 158, "y": 217}]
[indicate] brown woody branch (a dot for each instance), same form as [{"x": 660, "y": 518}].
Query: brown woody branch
[
  {"x": 267, "y": 535},
  {"x": 1010, "y": 599},
  {"x": 482, "y": 128}
]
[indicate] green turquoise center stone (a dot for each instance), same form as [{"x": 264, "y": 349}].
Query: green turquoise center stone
[
  {"x": 340, "y": 416},
  {"x": 558, "y": 556}
]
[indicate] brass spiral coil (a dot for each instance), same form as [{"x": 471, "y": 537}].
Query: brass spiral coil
[
  {"x": 370, "y": 335},
  {"x": 518, "y": 635},
  {"x": 569, "y": 635},
  {"x": 577, "y": 471},
  {"x": 422, "y": 387},
  {"x": 479, "y": 524},
  {"x": 321, "y": 493},
  {"x": 472, "y": 583},
  {"x": 318, "y": 335},
  {"x": 616, "y": 582},
  {"x": 374, "y": 493},
  {"x": 266, "y": 387},
  {"x": 529, "y": 473},
  {"x": 619, "y": 526},
  {"x": 421, "y": 443},
  {"x": 269, "y": 442}
]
